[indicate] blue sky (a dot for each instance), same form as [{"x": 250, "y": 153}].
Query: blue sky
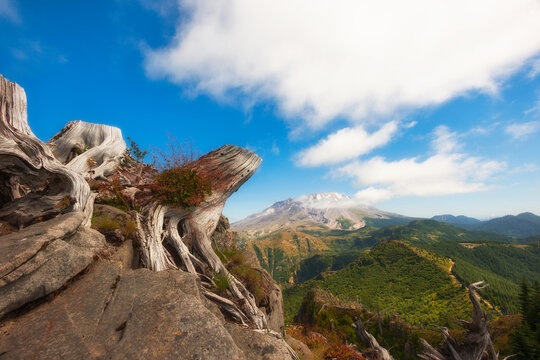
[{"x": 420, "y": 108}]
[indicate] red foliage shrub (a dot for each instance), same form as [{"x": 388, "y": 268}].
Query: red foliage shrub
[
  {"x": 339, "y": 351},
  {"x": 175, "y": 181},
  {"x": 315, "y": 340},
  {"x": 181, "y": 186}
]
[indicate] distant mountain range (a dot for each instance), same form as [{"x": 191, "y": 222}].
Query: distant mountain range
[
  {"x": 522, "y": 225},
  {"x": 456, "y": 220},
  {"x": 331, "y": 210},
  {"x": 338, "y": 211}
]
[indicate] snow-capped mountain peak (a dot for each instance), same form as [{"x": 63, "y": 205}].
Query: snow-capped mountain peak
[{"x": 332, "y": 209}]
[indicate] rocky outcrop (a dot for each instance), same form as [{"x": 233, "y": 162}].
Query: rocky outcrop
[
  {"x": 272, "y": 301},
  {"x": 113, "y": 311},
  {"x": 68, "y": 291},
  {"x": 36, "y": 261}
]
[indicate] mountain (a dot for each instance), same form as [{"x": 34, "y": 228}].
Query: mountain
[
  {"x": 329, "y": 210},
  {"x": 395, "y": 276},
  {"x": 522, "y": 225},
  {"x": 456, "y": 220}
]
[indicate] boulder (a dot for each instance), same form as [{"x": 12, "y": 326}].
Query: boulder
[
  {"x": 35, "y": 261},
  {"x": 115, "y": 312}
]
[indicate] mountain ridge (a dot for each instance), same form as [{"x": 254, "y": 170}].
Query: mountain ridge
[
  {"x": 522, "y": 225},
  {"x": 332, "y": 210}
]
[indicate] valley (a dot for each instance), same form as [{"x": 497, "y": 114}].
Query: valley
[{"x": 415, "y": 274}]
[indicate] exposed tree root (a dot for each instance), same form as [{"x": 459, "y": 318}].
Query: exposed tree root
[
  {"x": 477, "y": 344},
  {"x": 45, "y": 180},
  {"x": 370, "y": 341}
]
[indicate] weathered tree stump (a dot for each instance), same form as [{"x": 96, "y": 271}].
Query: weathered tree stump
[{"x": 46, "y": 180}]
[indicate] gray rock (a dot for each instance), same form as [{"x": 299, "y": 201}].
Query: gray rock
[
  {"x": 122, "y": 220},
  {"x": 272, "y": 304},
  {"x": 256, "y": 345},
  {"x": 299, "y": 347},
  {"x": 115, "y": 312},
  {"x": 35, "y": 262}
]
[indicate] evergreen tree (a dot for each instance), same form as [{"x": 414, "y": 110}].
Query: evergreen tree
[{"x": 526, "y": 338}]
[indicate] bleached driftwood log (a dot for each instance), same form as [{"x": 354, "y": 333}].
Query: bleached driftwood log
[{"x": 477, "y": 344}]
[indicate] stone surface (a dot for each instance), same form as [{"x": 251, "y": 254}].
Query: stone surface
[
  {"x": 115, "y": 312},
  {"x": 272, "y": 303},
  {"x": 301, "y": 349},
  {"x": 257, "y": 345},
  {"x": 122, "y": 232},
  {"x": 41, "y": 259}
]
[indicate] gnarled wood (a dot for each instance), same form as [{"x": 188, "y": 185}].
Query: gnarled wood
[
  {"x": 50, "y": 187},
  {"x": 47, "y": 202},
  {"x": 227, "y": 168},
  {"x": 93, "y": 150},
  {"x": 477, "y": 344},
  {"x": 45, "y": 180},
  {"x": 368, "y": 339}
]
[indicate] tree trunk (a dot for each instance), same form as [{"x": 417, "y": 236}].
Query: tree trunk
[
  {"x": 368, "y": 339},
  {"x": 45, "y": 180},
  {"x": 477, "y": 344}
]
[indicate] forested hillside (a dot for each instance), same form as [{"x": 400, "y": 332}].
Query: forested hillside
[
  {"x": 395, "y": 278},
  {"x": 476, "y": 256}
]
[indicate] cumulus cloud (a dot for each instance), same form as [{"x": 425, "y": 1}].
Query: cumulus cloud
[
  {"x": 323, "y": 59},
  {"x": 445, "y": 141},
  {"x": 522, "y": 130},
  {"x": 446, "y": 172},
  {"x": 7, "y": 10},
  {"x": 346, "y": 144},
  {"x": 535, "y": 68}
]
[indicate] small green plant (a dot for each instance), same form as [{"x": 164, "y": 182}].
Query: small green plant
[
  {"x": 130, "y": 228},
  {"x": 181, "y": 186},
  {"x": 222, "y": 281},
  {"x": 116, "y": 199},
  {"x": 80, "y": 150},
  {"x": 176, "y": 181},
  {"x": 138, "y": 154},
  {"x": 252, "y": 279},
  {"x": 104, "y": 223},
  {"x": 136, "y": 151}
]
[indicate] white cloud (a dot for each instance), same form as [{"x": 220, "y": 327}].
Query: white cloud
[
  {"x": 535, "y": 68},
  {"x": 445, "y": 172},
  {"x": 8, "y": 11},
  {"x": 522, "y": 130},
  {"x": 324, "y": 59},
  {"x": 346, "y": 144},
  {"x": 445, "y": 141},
  {"x": 275, "y": 149},
  {"x": 535, "y": 109}
]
